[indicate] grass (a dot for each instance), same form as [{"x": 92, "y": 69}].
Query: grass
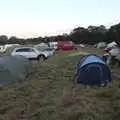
[{"x": 50, "y": 94}]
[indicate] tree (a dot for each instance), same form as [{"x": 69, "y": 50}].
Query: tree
[
  {"x": 90, "y": 35},
  {"x": 3, "y": 39},
  {"x": 114, "y": 33},
  {"x": 79, "y": 35}
]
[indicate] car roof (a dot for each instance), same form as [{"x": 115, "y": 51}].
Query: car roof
[{"x": 24, "y": 47}]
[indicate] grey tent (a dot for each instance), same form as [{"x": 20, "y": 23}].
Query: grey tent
[{"x": 14, "y": 68}]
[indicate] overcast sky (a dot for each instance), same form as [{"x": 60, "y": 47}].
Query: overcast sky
[{"x": 32, "y": 18}]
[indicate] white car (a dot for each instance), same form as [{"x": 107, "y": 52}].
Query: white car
[
  {"x": 50, "y": 50},
  {"x": 31, "y": 53}
]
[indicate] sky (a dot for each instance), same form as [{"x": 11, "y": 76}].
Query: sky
[{"x": 33, "y": 18}]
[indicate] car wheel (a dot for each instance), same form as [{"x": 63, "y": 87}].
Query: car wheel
[{"x": 41, "y": 57}]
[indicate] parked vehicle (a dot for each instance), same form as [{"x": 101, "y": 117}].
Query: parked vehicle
[
  {"x": 53, "y": 45},
  {"x": 65, "y": 45},
  {"x": 31, "y": 53},
  {"x": 7, "y": 46},
  {"x": 41, "y": 46},
  {"x": 50, "y": 50}
]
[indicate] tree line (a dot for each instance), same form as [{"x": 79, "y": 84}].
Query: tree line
[{"x": 89, "y": 35}]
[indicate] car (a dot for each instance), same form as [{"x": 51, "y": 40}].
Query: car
[
  {"x": 50, "y": 50},
  {"x": 31, "y": 53},
  {"x": 65, "y": 45}
]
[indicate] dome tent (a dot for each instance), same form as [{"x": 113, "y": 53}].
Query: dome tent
[
  {"x": 101, "y": 45},
  {"x": 13, "y": 68},
  {"x": 92, "y": 70}
]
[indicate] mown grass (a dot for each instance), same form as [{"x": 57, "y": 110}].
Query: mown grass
[{"x": 50, "y": 94}]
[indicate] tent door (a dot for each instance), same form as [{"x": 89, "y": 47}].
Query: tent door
[{"x": 94, "y": 74}]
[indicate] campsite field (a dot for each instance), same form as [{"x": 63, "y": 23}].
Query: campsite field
[{"x": 49, "y": 93}]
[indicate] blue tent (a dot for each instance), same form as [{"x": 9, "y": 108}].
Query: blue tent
[{"x": 92, "y": 70}]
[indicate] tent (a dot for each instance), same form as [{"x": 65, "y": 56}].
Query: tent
[
  {"x": 112, "y": 44},
  {"x": 6, "y": 47},
  {"x": 92, "y": 70},
  {"x": 11, "y": 48},
  {"x": 14, "y": 68},
  {"x": 101, "y": 45},
  {"x": 41, "y": 46}
]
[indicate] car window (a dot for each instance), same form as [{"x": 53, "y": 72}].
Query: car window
[
  {"x": 68, "y": 44},
  {"x": 31, "y": 50},
  {"x": 60, "y": 45},
  {"x": 25, "y": 50}
]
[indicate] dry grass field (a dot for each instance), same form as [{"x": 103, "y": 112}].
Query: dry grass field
[{"x": 49, "y": 93}]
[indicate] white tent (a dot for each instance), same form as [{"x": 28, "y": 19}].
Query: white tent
[
  {"x": 115, "y": 51},
  {"x": 4, "y": 48},
  {"x": 112, "y": 44}
]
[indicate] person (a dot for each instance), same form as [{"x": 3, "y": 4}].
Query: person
[
  {"x": 115, "y": 53},
  {"x": 106, "y": 58}
]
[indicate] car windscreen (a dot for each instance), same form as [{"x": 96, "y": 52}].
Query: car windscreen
[
  {"x": 49, "y": 49},
  {"x": 68, "y": 44}
]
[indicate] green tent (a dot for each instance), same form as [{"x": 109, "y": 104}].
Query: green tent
[
  {"x": 101, "y": 45},
  {"x": 14, "y": 68}
]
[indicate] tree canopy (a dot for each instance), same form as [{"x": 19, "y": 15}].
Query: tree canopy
[{"x": 90, "y": 35}]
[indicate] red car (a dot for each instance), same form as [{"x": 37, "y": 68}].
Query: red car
[{"x": 65, "y": 45}]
